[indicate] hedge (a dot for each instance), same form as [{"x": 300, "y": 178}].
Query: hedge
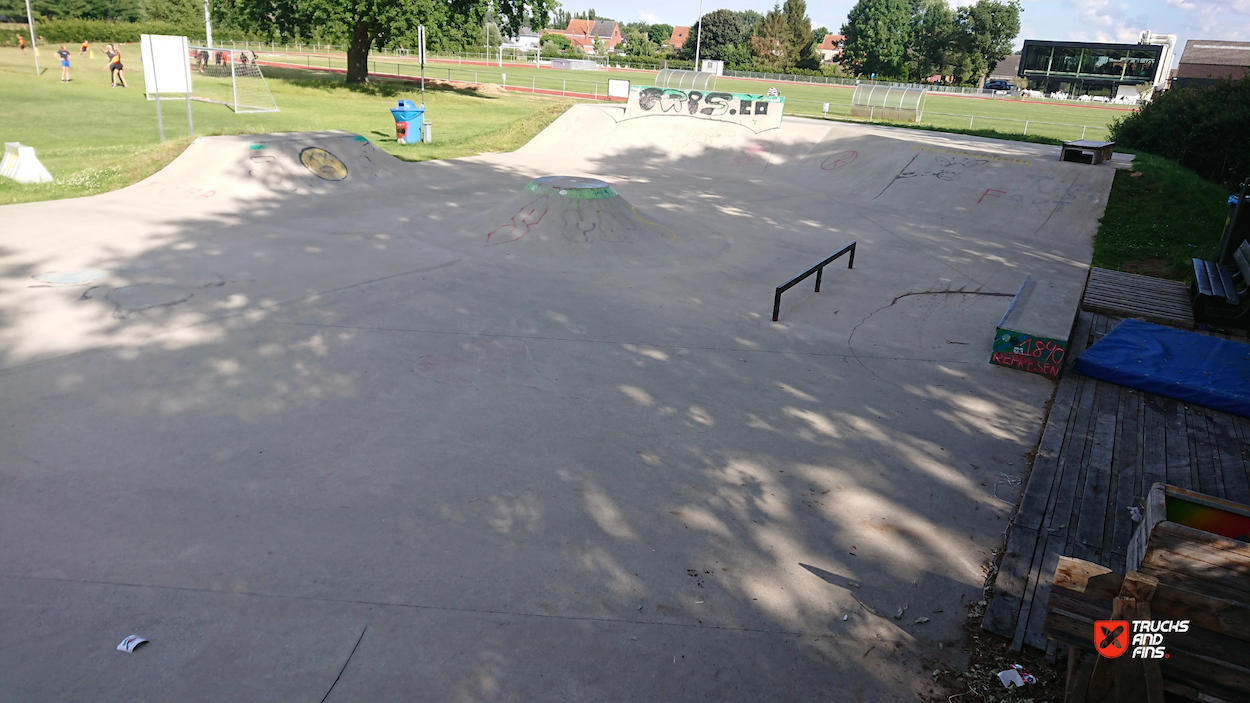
[
  {"x": 1202, "y": 127},
  {"x": 97, "y": 31}
]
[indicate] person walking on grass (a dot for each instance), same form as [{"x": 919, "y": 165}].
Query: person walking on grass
[
  {"x": 21, "y": 43},
  {"x": 115, "y": 66},
  {"x": 85, "y": 48},
  {"x": 64, "y": 56}
]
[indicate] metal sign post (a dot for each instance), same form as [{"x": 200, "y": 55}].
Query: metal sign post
[
  {"x": 420, "y": 58},
  {"x": 30, "y": 22},
  {"x": 208, "y": 27}
]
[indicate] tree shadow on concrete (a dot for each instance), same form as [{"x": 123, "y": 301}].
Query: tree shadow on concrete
[{"x": 355, "y": 407}]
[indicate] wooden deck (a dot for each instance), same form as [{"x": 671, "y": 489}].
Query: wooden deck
[
  {"x": 1156, "y": 300},
  {"x": 1103, "y": 447}
]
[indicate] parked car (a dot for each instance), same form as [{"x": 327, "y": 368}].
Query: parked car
[{"x": 998, "y": 85}]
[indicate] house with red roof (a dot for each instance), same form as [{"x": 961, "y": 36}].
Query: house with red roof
[
  {"x": 679, "y": 36},
  {"x": 831, "y": 48},
  {"x": 583, "y": 34}
]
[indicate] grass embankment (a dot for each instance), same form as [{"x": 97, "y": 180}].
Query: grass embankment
[
  {"x": 1159, "y": 216},
  {"x": 94, "y": 138}
]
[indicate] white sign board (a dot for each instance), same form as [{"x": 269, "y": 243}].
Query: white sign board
[
  {"x": 618, "y": 88},
  {"x": 166, "y": 66},
  {"x": 713, "y": 66}
]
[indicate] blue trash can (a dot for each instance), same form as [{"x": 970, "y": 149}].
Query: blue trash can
[{"x": 408, "y": 119}]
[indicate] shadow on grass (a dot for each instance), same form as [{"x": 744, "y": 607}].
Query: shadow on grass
[{"x": 330, "y": 81}]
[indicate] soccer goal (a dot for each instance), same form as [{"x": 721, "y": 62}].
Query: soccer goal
[{"x": 230, "y": 77}]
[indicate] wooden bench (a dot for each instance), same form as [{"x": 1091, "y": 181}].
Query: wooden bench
[
  {"x": 1175, "y": 572},
  {"x": 1215, "y": 291},
  {"x": 1084, "y": 151}
]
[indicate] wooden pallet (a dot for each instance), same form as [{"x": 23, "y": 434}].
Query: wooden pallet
[
  {"x": 1156, "y": 300},
  {"x": 1102, "y": 449}
]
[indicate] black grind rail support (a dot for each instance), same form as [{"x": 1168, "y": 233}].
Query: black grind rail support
[{"x": 818, "y": 269}]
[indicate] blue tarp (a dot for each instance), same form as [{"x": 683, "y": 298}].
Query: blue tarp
[{"x": 1194, "y": 368}]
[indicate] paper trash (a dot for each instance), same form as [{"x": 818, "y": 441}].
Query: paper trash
[
  {"x": 1010, "y": 678},
  {"x": 129, "y": 644}
]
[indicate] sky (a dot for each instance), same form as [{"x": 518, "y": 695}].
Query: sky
[{"x": 1076, "y": 20}]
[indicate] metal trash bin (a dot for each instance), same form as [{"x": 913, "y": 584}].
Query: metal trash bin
[{"x": 408, "y": 121}]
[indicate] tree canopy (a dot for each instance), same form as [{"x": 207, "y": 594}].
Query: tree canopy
[
  {"x": 369, "y": 23},
  {"x": 916, "y": 39},
  {"x": 660, "y": 33},
  {"x": 720, "y": 31}
]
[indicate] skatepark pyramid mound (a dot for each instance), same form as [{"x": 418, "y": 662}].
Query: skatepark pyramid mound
[{"x": 582, "y": 220}]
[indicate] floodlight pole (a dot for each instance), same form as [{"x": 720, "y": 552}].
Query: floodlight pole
[
  {"x": 698, "y": 39},
  {"x": 208, "y": 27},
  {"x": 30, "y": 23}
]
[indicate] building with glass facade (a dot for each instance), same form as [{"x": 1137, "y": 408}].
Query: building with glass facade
[{"x": 1081, "y": 68}]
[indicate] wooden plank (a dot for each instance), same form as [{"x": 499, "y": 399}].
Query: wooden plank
[
  {"x": 1096, "y": 493},
  {"x": 1154, "y": 446},
  {"x": 1037, "y": 493},
  {"x": 1206, "y": 461},
  {"x": 1136, "y": 298},
  {"x": 1003, "y": 610},
  {"x": 1190, "y": 557},
  {"x": 1126, "y": 475},
  {"x": 1243, "y": 431},
  {"x": 1033, "y": 611},
  {"x": 1176, "y": 444},
  {"x": 1085, "y": 589},
  {"x": 1079, "y": 341},
  {"x": 1228, "y": 449}
]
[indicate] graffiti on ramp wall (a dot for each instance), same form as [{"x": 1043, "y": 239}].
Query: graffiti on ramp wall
[{"x": 755, "y": 112}]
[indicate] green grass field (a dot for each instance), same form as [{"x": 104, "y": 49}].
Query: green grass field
[
  {"x": 1050, "y": 119},
  {"x": 94, "y": 138}
]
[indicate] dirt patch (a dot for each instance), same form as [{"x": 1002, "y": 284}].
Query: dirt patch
[
  {"x": 487, "y": 88},
  {"x": 988, "y": 655},
  {"x": 1147, "y": 267}
]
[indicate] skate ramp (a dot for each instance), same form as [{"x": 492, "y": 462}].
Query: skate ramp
[
  {"x": 583, "y": 222},
  {"x": 252, "y": 167},
  {"x": 317, "y": 421}
]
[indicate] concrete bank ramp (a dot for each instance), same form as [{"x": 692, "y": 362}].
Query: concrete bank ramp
[
  {"x": 587, "y": 223},
  {"x": 250, "y": 166}
]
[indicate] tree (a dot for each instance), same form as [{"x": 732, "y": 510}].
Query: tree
[
  {"x": 749, "y": 21},
  {"x": 369, "y": 23},
  {"x": 660, "y": 33},
  {"x": 637, "y": 43},
  {"x": 933, "y": 31},
  {"x": 769, "y": 45},
  {"x": 799, "y": 35},
  {"x": 559, "y": 18},
  {"x": 818, "y": 34},
  {"x": 988, "y": 28},
  {"x": 720, "y": 30},
  {"x": 877, "y": 33}
]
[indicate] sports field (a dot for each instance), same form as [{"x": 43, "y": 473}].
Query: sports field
[
  {"x": 94, "y": 138},
  {"x": 1010, "y": 116}
]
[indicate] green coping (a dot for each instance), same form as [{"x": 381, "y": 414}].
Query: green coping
[{"x": 579, "y": 193}]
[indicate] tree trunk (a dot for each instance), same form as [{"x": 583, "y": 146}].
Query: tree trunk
[{"x": 358, "y": 54}]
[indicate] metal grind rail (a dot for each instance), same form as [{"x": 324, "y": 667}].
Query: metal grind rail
[{"x": 818, "y": 269}]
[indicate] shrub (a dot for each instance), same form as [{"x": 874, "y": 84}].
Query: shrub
[
  {"x": 72, "y": 31},
  {"x": 1201, "y": 127}
]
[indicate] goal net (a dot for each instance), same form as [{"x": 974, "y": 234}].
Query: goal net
[{"x": 230, "y": 77}]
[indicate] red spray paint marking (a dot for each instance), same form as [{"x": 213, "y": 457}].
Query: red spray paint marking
[{"x": 991, "y": 193}]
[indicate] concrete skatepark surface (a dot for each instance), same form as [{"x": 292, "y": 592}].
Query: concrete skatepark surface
[{"x": 290, "y": 416}]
